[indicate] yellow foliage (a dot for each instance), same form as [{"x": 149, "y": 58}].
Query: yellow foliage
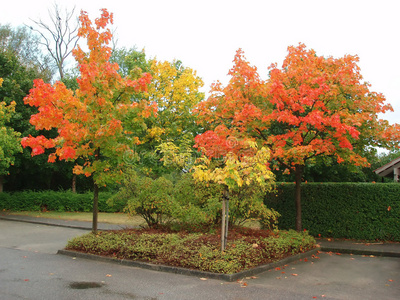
[
  {"x": 237, "y": 171},
  {"x": 175, "y": 89}
]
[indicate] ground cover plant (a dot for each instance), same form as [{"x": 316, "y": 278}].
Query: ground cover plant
[{"x": 246, "y": 248}]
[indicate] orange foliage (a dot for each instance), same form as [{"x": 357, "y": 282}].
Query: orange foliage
[
  {"x": 311, "y": 106},
  {"x": 94, "y": 116}
]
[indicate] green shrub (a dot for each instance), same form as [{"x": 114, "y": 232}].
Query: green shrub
[
  {"x": 150, "y": 198},
  {"x": 55, "y": 201},
  {"x": 363, "y": 211},
  {"x": 201, "y": 203}
]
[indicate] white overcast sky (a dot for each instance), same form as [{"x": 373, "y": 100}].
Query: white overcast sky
[{"x": 205, "y": 34}]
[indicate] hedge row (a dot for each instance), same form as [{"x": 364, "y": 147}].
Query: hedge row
[
  {"x": 364, "y": 211},
  {"x": 55, "y": 201}
]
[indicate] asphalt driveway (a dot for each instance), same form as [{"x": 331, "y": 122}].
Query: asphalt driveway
[{"x": 31, "y": 269}]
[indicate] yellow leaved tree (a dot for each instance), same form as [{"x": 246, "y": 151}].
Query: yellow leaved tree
[{"x": 236, "y": 169}]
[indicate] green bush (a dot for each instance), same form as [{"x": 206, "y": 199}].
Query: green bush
[
  {"x": 55, "y": 201},
  {"x": 201, "y": 203},
  {"x": 363, "y": 211},
  {"x": 150, "y": 198},
  {"x": 188, "y": 205}
]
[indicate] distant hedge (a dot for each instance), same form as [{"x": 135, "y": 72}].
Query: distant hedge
[
  {"x": 364, "y": 211},
  {"x": 55, "y": 201}
]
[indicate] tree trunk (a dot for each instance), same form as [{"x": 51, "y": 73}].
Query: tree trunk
[
  {"x": 223, "y": 225},
  {"x": 1, "y": 183},
  {"x": 95, "y": 198},
  {"x": 298, "y": 175},
  {"x": 95, "y": 208},
  {"x": 225, "y": 220},
  {"x": 73, "y": 186}
]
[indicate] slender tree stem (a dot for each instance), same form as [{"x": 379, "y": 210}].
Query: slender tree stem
[{"x": 298, "y": 175}]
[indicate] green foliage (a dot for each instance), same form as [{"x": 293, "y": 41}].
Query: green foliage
[
  {"x": 18, "y": 75},
  {"x": 55, "y": 201},
  {"x": 9, "y": 139},
  {"x": 150, "y": 198},
  {"x": 185, "y": 203},
  {"x": 247, "y": 203},
  {"x": 195, "y": 251},
  {"x": 199, "y": 202},
  {"x": 131, "y": 62},
  {"x": 26, "y": 47},
  {"x": 364, "y": 211}
]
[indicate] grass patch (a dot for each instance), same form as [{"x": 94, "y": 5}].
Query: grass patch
[
  {"x": 111, "y": 218},
  {"x": 247, "y": 248}
]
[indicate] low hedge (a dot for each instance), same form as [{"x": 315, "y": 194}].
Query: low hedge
[
  {"x": 55, "y": 201},
  {"x": 363, "y": 211}
]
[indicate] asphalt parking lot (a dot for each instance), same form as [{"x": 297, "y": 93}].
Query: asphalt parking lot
[{"x": 31, "y": 269}]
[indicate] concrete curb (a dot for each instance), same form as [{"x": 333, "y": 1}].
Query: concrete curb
[
  {"x": 359, "y": 251},
  {"x": 63, "y": 223},
  {"x": 44, "y": 223},
  {"x": 189, "y": 272}
]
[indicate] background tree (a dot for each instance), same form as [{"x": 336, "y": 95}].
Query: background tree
[
  {"x": 312, "y": 107},
  {"x": 96, "y": 124},
  {"x": 9, "y": 139},
  {"x": 131, "y": 61},
  {"x": 60, "y": 37},
  {"x": 26, "y": 47},
  {"x": 18, "y": 73},
  {"x": 175, "y": 89}
]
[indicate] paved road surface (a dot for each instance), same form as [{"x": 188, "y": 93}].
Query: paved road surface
[{"x": 30, "y": 269}]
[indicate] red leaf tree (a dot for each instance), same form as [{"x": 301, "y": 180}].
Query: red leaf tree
[
  {"x": 312, "y": 106},
  {"x": 96, "y": 123}
]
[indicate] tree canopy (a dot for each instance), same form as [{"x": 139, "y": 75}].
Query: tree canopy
[
  {"x": 313, "y": 106},
  {"x": 96, "y": 123}
]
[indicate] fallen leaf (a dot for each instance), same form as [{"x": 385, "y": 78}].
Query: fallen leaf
[
  {"x": 371, "y": 256},
  {"x": 294, "y": 274},
  {"x": 108, "y": 275},
  {"x": 391, "y": 280},
  {"x": 337, "y": 253},
  {"x": 254, "y": 277},
  {"x": 203, "y": 278},
  {"x": 277, "y": 269},
  {"x": 26, "y": 279}
]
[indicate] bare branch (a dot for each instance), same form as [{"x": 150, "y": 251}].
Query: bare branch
[{"x": 60, "y": 36}]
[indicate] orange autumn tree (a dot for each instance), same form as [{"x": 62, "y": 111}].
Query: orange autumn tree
[
  {"x": 96, "y": 123},
  {"x": 313, "y": 106}
]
